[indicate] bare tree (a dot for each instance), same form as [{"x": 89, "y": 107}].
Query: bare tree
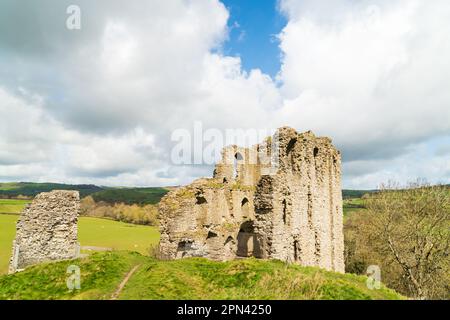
[{"x": 410, "y": 227}]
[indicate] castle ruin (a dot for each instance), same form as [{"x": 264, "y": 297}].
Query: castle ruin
[
  {"x": 280, "y": 199},
  {"x": 47, "y": 230}
]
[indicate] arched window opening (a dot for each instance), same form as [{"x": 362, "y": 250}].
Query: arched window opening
[
  {"x": 229, "y": 240},
  {"x": 200, "y": 200},
  {"x": 245, "y": 208},
  {"x": 316, "y": 152},
  {"x": 237, "y": 160},
  {"x": 291, "y": 146},
  {"x": 211, "y": 235}
]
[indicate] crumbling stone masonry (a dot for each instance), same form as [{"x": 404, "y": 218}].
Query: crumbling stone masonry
[
  {"x": 47, "y": 230},
  {"x": 277, "y": 200}
]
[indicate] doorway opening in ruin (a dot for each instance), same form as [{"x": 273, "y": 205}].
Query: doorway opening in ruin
[
  {"x": 237, "y": 160},
  {"x": 247, "y": 241},
  {"x": 245, "y": 208}
]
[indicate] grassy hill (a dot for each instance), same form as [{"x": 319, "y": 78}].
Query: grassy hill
[{"x": 194, "y": 278}]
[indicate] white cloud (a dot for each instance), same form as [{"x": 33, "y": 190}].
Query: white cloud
[
  {"x": 370, "y": 74},
  {"x": 116, "y": 94}
]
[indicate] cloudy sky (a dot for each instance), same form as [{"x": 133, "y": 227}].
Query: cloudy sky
[{"x": 99, "y": 104}]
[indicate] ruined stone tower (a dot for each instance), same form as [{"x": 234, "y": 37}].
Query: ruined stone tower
[
  {"x": 47, "y": 230},
  {"x": 277, "y": 200}
]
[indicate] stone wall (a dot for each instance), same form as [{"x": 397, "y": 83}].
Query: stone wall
[
  {"x": 277, "y": 200},
  {"x": 47, "y": 230}
]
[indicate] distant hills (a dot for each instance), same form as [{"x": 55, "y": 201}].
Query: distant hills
[
  {"x": 348, "y": 194},
  {"x": 106, "y": 194},
  {"x": 31, "y": 189},
  {"x": 150, "y": 195}
]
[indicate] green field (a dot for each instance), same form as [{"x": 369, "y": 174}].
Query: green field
[
  {"x": 91, "y": 232},
  {"x": 194, "y": 278},
  {"x": 353, "y": 205},
  {"x": 12, "y": 205},
  {"x": 116, "y": 235},
  {"x": 7, "y": 233}
]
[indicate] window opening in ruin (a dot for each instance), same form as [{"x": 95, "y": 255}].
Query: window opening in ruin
[
  {"x": 310, "y": 209},
  {"x": 200, "y": 200},
  {"x": 295, "y": 250},
  {"x": 237, "y": 160},
  {"x": 289, "y": 149},
  {"x": 229, "y": 239},
  {"x": 184, "y": 245},
  {"x": 225, "y": 180},
  {"x": 284, "y": 211},
  {"x": 290, "y": 146},
  {"x": 316, "y": 152},
  {"x": 245, "y": 208},
  {"x": 211, "y": 235}
]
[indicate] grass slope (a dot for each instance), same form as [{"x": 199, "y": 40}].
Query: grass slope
[
  {"x": 193, "y": 278},
  {"x": 91, "y": 232}
]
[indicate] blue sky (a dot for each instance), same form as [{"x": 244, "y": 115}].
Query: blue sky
[{"x": 253, "y": 28}]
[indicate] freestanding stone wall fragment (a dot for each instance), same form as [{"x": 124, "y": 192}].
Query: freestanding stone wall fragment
[
  {"x": 277, "y": 200},
  {"x": 47, "y": 230}
]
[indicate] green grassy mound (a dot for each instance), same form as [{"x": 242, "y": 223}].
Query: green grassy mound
[{"x": 195, "y": 278}]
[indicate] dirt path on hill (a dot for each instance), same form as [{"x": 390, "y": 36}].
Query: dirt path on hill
[{"x": 124, "y": 282}]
